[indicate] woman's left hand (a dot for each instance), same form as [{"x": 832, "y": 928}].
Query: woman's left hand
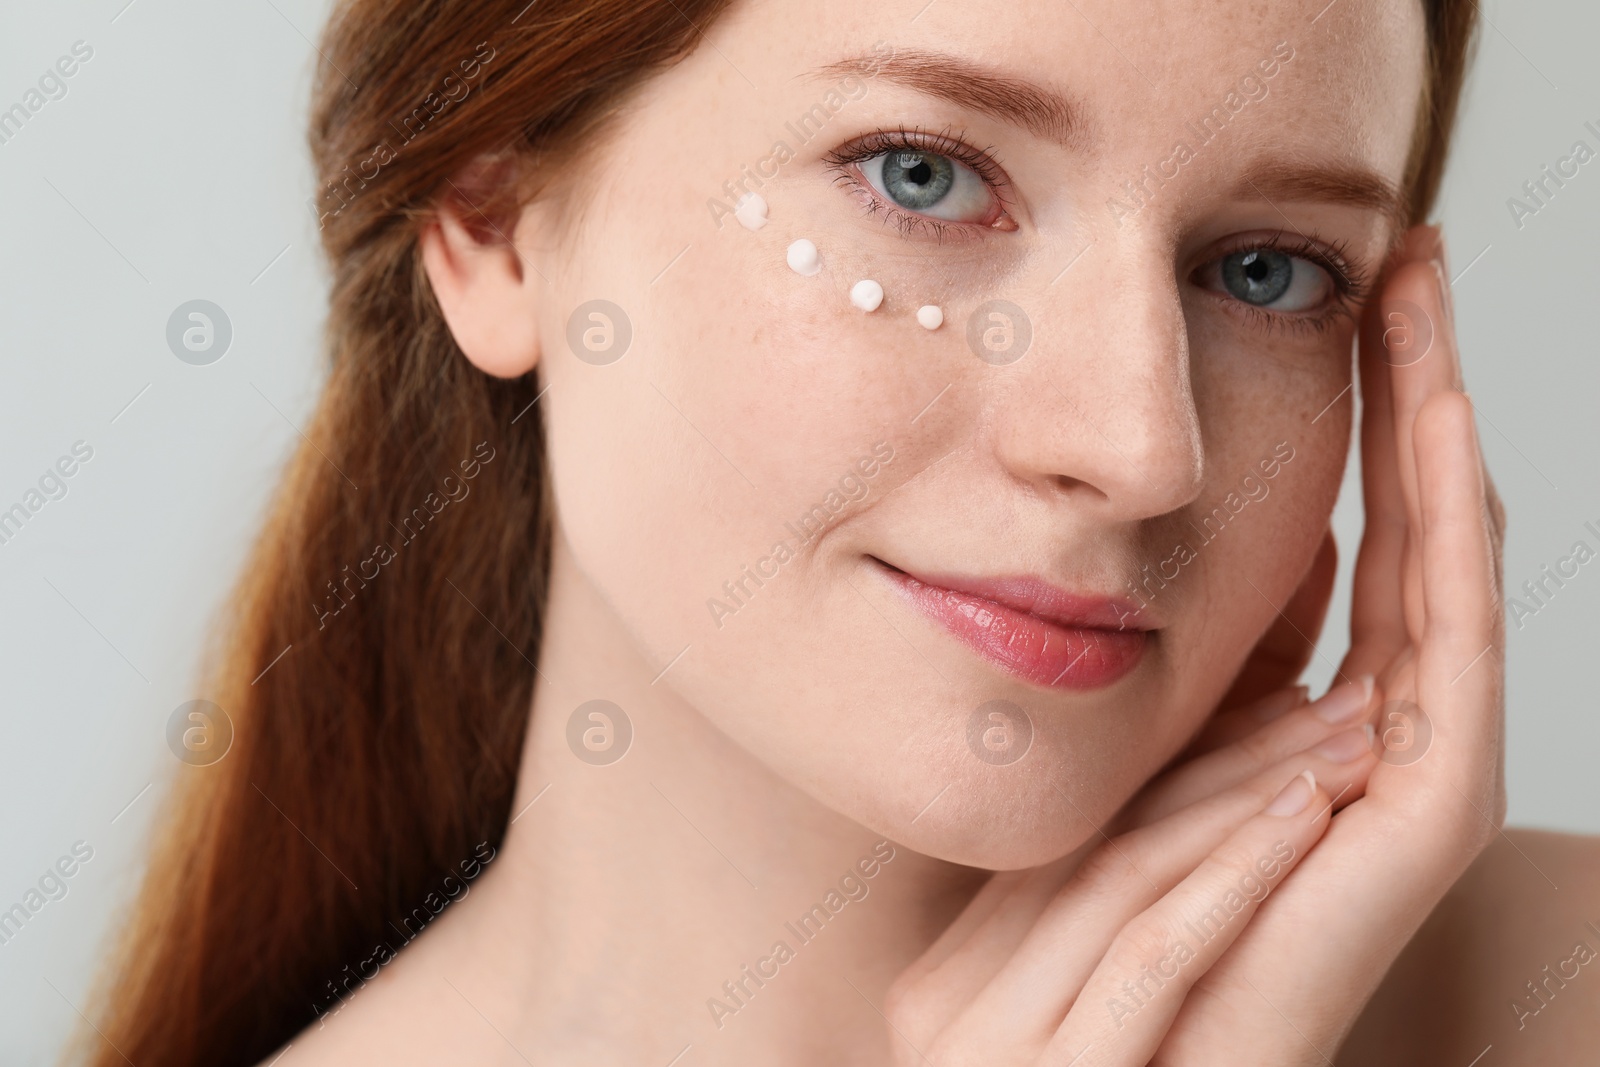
[{"x": 1427, "y": 623}]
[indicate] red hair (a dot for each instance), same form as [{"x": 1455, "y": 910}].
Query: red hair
[{"x": 381, "y": 750}]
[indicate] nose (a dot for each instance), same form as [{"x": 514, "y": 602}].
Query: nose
[{"x": 1102, "y": 410}]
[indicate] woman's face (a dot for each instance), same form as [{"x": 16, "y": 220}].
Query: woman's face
[{"x": 972, "y": 586}]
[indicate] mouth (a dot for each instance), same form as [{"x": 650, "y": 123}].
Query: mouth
[{"x": 1030, "y": 628}]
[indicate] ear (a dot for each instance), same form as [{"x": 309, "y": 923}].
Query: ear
[{"x": 489, "y": 296}]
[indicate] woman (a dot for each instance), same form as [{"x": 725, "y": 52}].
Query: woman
[{"x": 807, "y": 546}]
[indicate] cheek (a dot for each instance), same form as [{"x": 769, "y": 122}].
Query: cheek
[
  {"x": 1277, "y": 442},
  {"x": 749, "y": 390},
  {"x": 748, "y": 396}
]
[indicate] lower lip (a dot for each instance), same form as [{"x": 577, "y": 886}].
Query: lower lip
[{"x": 1043, "y": 652}]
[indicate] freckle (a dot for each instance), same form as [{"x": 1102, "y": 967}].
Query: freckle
[
  {"x": 803, "y": 258},
  {"x": 751, "y": 211},
  {"x": 866, "y": 294},
  {"x": 930, "y": 316}
]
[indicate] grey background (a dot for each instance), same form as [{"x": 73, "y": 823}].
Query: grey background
[{"x": 174, "y": 170}]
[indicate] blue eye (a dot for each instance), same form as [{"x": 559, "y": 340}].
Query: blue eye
[
  {"x": 929, "y": 184},
  {"x": 1266, "y": 278},
  {"x": 917, "y": 180}
]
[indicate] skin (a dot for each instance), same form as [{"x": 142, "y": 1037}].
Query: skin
[{"x": 773, "y": 747}]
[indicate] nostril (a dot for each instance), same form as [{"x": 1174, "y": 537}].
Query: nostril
[{"x": 1067, "y": 483}]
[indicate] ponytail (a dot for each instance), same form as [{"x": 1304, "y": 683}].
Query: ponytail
[{"x": 377, "y": 668}]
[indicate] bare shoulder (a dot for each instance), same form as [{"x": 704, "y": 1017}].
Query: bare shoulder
[{"x": 1506, "y": 968}]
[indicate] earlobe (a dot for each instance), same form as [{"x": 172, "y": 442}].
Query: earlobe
[{"x": 486, "y": 294}]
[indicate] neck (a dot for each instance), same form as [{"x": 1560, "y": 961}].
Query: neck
[{"x": 683, "y": 894}]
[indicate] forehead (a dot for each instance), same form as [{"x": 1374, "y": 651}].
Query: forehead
[{"x": 1137, "y": 76}]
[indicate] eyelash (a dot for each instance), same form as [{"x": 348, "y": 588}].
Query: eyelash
[
  {"x": 1351, "y": 283},
  {"x": 944, "y": 143}
]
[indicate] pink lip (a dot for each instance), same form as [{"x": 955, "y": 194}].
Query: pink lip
[{"x": 1031, "y": 628}]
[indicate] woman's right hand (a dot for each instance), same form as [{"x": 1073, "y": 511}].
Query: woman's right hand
[{"x": 1078, "y": 956}]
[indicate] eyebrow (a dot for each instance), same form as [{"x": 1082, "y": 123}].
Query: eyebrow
[
  {"x": 1327, "y": 183},
  {"x": 1056, "y": 117},
  {"x": 1041, "y": 111}
]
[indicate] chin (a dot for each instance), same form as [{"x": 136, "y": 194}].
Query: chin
[
  {"x": 999, "y": 832},
  {"x": 1003, "y": 816}
]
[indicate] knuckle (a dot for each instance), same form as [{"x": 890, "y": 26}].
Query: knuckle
[
  {"x": 1259, "y": 748},
  {"x": 1144, "y": 942},
  {"x": 1233, "y": 858}
]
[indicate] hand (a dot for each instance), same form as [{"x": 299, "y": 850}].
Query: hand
[
  {"x": 1427, "y": 623},
  {"x": 1033, "y": 970},
  {"x": 1038, "y": 968}
]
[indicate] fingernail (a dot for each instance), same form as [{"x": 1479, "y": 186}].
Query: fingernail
[
  {"x": 1346, "y": 745},
  {"x": 1435, "y": 244},
  {"x": 1278, "y": 703},
  {"x": 1295, "y": 796},
  {"x": 1442, "y": 275},
  {"x": 1447, "y": 303},
  {"x": 1345, "y": 703}
]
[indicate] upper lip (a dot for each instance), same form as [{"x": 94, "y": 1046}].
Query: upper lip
[{"x": 1035, "y": 596}]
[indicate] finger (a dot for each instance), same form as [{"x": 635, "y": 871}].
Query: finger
[
  {"x": 974, "y": 947},
  {"x": 1258, "y": 748},
  {"x": 1414, "y": 383},
  {"x": 1022, "y": 1005},
  {"x": 1459, "y": 663},
  {"x": 1377, "y": 621},
  {"x": 1444, "y": 806},
  {"x": 1130, "y": 1000},
  {"x": 1419, "y": 244},
  {"x": 1496, "y": 514},
  {"x": 991, "y": 896},
  {"x": 944, "y": 979},
  {"x": 1232, "y": 723}
]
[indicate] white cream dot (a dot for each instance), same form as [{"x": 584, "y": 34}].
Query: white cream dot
[
  {"x": 803, "y": 258},
  {"x": 751, "y": 211},
  {"x": 930, "y": 316},
  {"x": 866, "y": 294}
]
